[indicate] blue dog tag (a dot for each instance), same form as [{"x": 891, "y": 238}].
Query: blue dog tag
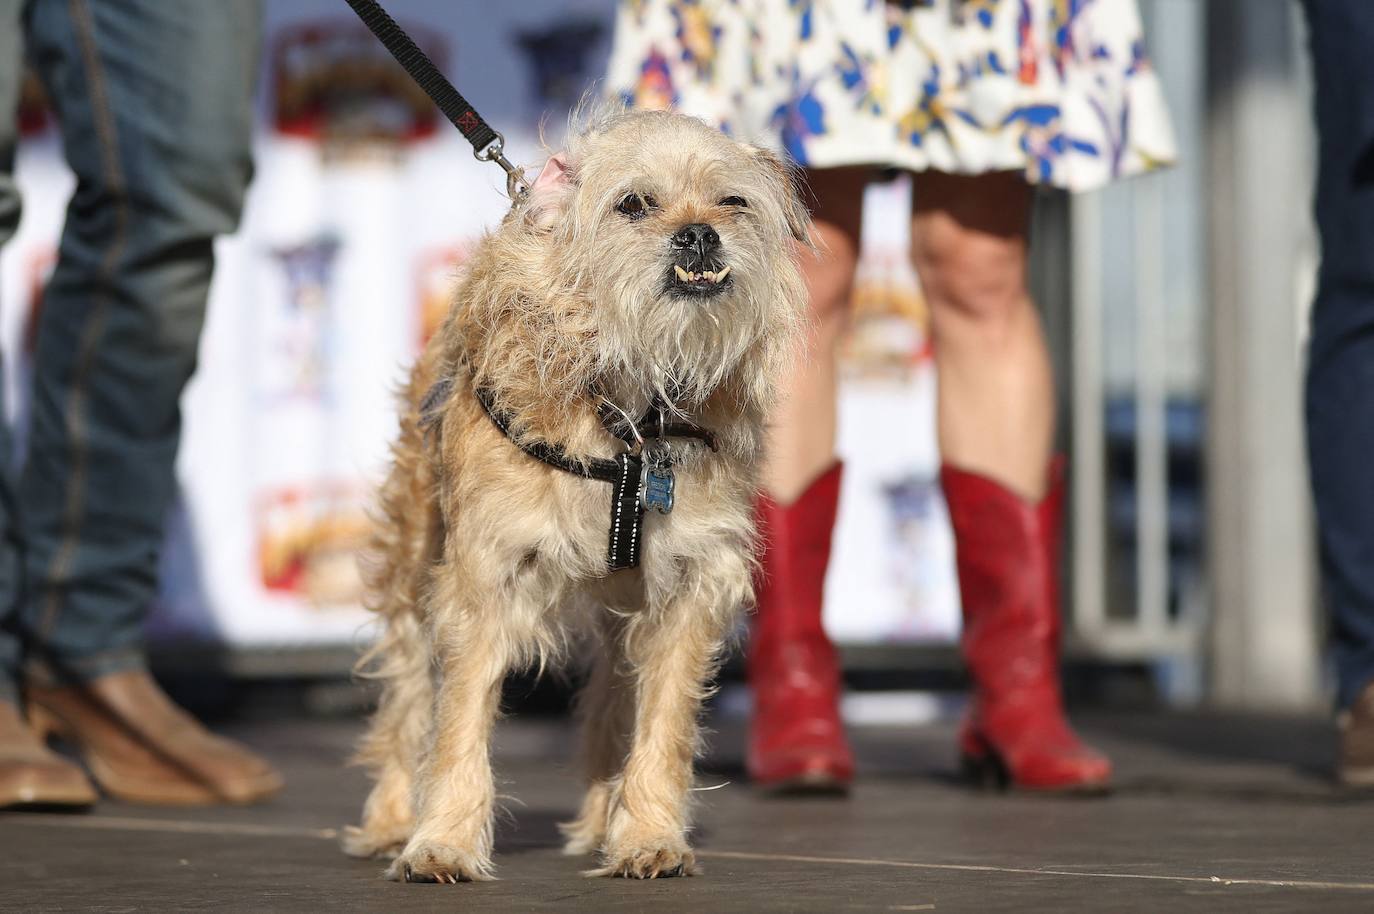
[{"x": 657, "y": 490}]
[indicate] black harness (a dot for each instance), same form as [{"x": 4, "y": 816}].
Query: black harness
[{"x": 640, "y": 478}]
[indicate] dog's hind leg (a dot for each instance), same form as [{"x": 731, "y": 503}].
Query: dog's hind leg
[
  {"x": 606, "y": 708},
  {"x": 405, "y": 535},
  {"x": 394, "y": 743},
  {"x": 387, "y": 819},
  {"x": 672, "y": 649}
]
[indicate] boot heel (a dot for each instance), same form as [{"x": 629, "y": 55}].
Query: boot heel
[{"x": 985, "y": 772}]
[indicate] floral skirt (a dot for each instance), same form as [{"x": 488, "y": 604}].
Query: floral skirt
[{"x": 1059, "y": 89}]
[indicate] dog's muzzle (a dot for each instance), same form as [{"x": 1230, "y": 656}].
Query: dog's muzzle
[{"x": 698, "y": 268}]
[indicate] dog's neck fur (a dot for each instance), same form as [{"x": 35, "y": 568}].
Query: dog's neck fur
[{"x": 535, "y": 360}]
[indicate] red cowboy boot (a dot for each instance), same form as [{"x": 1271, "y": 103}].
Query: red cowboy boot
[
  {"x": 1008, "y": 556},
  {"x": 796, "y": 740}
]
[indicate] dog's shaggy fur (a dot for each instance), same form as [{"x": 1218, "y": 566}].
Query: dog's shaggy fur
[{"x": 489, "y": 560}]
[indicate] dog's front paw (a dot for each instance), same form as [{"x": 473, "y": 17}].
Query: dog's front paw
[
  {"x": 428, "y": 861},
  {"x": 652, "y": 860}
]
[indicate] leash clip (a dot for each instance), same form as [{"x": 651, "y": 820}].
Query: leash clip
[{"x": 517, "y": 185}]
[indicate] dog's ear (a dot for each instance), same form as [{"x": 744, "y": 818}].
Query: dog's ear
[
  {"x": 553, "y": 174},
  {"x": 793, "y": 210},
  {"x": 549, "y": 193}
]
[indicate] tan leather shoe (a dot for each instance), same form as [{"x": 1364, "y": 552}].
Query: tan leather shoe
[
  {"x": 1357, "y": 741},
  {"x": 142, "y": 748},
  {"x": 31, "y": 774}
]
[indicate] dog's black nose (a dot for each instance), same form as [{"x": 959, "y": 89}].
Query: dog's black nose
[{"x": 698, "y": 236}]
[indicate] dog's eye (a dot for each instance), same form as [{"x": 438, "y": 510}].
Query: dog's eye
[
  {"x": 636, "y": 206},
  {"x": 739, "y": 202}
]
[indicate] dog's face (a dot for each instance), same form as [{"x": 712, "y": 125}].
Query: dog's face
[{"x": 680, "y": 240}]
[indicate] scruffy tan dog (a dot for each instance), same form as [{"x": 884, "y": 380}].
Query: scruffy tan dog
[{"x": 646, "y": 292}]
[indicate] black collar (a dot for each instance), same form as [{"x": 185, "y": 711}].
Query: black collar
[{"x": 655, "y": 423}]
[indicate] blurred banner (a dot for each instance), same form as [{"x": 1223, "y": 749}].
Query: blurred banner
[{"x": 364, "y": 204}]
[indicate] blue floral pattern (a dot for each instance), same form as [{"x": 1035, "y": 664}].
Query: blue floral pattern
[{"x": 1059, "y": 89}]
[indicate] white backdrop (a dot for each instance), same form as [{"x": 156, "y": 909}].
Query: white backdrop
[{"x": 362, "y": 205}]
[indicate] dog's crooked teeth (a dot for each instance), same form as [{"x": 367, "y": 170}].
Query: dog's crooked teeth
[{"x": 704, "y": 276}]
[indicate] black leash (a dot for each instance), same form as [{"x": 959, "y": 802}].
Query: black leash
[
  {"x": 643, "y": 475},
  {"x": 488, "y": 145}
]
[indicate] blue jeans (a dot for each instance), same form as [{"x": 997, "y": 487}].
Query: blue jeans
[
  {"x": 1340, "y": 376},
  {"x": 154, "y": 101}
]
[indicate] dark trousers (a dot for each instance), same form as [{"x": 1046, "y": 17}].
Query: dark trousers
[
  {"x": 154, "y": 99},
  {"x": 1340, "y": 379}
]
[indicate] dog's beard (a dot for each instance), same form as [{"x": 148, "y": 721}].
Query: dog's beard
[{"x": 682, "y": 346}]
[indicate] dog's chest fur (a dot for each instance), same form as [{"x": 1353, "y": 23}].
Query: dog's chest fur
[{"x": 545, "y": 530}]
